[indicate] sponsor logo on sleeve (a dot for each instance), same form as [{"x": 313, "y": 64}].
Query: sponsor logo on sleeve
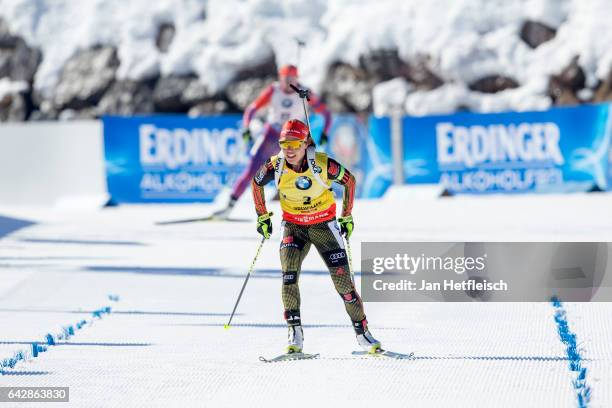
[
  {"x": 333, "y": 169},
  {"x": 260, "y": 175}
]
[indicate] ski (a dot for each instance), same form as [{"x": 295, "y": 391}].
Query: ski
[
  {"x": 214, "y": 218},
  {"x": 289, "y": 357},
  {"x": 385, "y": 353}
]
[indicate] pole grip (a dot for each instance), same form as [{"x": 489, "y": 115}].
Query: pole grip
[{"x": 303, "y": 93}]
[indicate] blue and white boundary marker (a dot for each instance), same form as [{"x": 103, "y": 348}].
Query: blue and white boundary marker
[
  {"x": 51, "y": 339},
  {"x": 568, "y": 338}
]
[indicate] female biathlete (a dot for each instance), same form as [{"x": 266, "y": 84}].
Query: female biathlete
[{"x": 303, "y": 178}]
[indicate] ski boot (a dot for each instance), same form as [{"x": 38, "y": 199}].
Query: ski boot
[
  {"x": 365, "y": 339},
  {"x": 296, "y": 339}
]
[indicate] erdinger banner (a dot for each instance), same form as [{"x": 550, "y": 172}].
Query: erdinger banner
[
  {"x": 172, "y": 158},
  {"x": 485, "y": 271},
  {"x": 559, "y": 150}
]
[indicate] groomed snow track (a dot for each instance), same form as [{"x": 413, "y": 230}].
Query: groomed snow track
[{"x": 171, "y": 290}]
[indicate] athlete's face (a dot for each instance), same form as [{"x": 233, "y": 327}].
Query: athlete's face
[
  {"x": 294, "y": 155},
  {"x": 285, "y": 81}
]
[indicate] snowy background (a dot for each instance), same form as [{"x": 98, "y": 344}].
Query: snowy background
[{"x": 109, "y": 56}]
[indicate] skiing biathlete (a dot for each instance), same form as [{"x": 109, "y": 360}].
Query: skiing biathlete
[
  {"x": 283, "y": 104},
  {"x": 304, "y": 178}
]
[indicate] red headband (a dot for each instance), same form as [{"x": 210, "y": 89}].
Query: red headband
[{"x": 294, "y": 129}]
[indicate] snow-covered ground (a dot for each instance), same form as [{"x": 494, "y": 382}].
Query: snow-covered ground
[
  {"x": 164, "y": 344},
  {"x": 466, "y": 40}
]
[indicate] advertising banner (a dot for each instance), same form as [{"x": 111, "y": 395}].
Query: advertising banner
[
  {"x": 347, "y": 144},
  {"x": 378, "y": 160},
  {"x": 181, "y": 159},
  {"x": 172, "y": 158},
  {"x": 558, "y": 150}
]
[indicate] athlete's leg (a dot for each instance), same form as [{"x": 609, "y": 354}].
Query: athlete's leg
[
  {"x": 293, "y": 249},
  {"x": 328, "y": 241}
]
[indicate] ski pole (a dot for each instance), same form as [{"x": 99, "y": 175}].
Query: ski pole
[
  {"x": 227, "y": 326},
  {"x": 350, "y": 260},
  {"x": 305, "y": 96},
  {"x": 300, "y": 44}
]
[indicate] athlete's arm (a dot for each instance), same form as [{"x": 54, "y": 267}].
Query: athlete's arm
[
  {"x": 339, "y": 174},
  {"x": 262, "y": 100},
  {"x": 264, "y": 175},
  {"x": 319, "y": 107}
]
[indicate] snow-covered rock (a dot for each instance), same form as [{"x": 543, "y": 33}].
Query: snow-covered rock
[
  {"x": 248, "y": 83},
  {"x": 127, "y": 98},
  {"x": 604, "y": 91},
  {"x": 390, "y": 96},
  {"x": 168, "y": 93},
  {"x": 13, "y": 100},
  {"x": 210, "y": 107},
  {"x": 85, "y": 78},
  {"x": 534, "y": 33},
  {"x": 165, "y": 35},
  {"x": 348, "y": 88},
  {"x": 443, "y": 100},
  {"x": 350, "y": 46},
  {"x": 8, "y": 87},
  {"x": 493, "y": 84}
]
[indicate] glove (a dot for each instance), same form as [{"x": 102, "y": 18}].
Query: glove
[
  {"x": 246, "y": 136},
  {"x": 264, "y": 225},
  {"x": 324, "y": 139},
  {"x": 303, "y": 93},
  {"x": 346, "y": 225}
]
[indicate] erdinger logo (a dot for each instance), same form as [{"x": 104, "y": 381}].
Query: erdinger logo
[
  {"x": 175, "y": 147},
  {"x": 303, "y": 183},
  {"x": 471, "y": 146},
  {"x": 286, "y": 103}
]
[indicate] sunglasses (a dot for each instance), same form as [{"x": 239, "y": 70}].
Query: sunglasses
[{"x": 291, "y": 144}]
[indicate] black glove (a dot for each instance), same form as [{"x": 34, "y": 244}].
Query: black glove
[
  {"x": 324, "y": 139},
  {"x": 264, "y": 225},
  {"x": 303, "y": 93},
  {"x": 246, "y": 136}
]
